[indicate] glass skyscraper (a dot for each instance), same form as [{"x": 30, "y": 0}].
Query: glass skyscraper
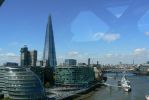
[
  {"x": 1, "y": 1},
  {"x": 49, "y": 56}
]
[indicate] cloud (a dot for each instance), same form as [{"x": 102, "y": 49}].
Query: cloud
[
  {"x": 73, "y": 53},
  {"x": 10, "y": 54},
  {"x": 40, "y": 55},
  {"x": 106, "y": 37},
  {"x": 8, "y": 57},
  {"x": 147, "y": 33},
  {"x": 140, "y": 51}
]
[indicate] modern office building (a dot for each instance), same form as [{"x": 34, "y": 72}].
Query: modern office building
[
  {"x": 28, "y": 58},
  {"x": 25, "y": 56},
  {"x": 20, "y": 83},
  {"x": 33, "y": 55},
  {"x": 1, "y": 2},
  {"x": 79, "y": 76},
  {"x": 70, "y": 62},
  {"x": 49, "y": 56}
]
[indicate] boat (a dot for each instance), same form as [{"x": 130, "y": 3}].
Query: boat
[
  {"x": 125, "y": 84},
  {"x": 147, "y": 97}
]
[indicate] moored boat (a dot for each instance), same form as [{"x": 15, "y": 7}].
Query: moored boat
[
  {"x": 125, "y": 83},
  {"x": 147, "y": 97}
]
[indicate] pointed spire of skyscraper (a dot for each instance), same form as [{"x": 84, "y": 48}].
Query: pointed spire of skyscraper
[
  {"x": 1, "y": 2},
  {"x": 49, "y": 56}
]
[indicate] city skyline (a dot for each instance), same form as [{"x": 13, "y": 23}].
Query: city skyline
[{"x": 79, "y": 33}]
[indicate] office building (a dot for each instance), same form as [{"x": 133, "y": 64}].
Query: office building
[
  {"x": 28, "y": 58},
  {"x": 74, "y": 76},
  {"x": 33, "y": 55},
  {"x": 11, "y": 64},
  {"x": 18, "y": 83},
  {"x": 25, "y": 56},
  {"x": 49, "y": 56},
  {"x": 70, "y": 62}
]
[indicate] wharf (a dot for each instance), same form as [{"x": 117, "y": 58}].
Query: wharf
[{"x": 69, "y": 95}]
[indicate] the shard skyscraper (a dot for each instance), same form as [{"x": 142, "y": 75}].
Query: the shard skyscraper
[
  {"x": 1, "y": 2},
  {"x": 49, "y": 56}
]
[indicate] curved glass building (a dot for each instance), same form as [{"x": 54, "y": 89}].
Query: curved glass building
[
  {"x": 22, "y": 84},
  {"x": 2, "y": 82}
]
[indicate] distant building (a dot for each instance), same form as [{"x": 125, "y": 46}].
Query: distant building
[
  {"x": 70, "y": 62},
  {"x": 28, "y": 58},
  {"x": 81, "y": 64},
  {"x": 80, "y": 76},
  {"x": 11, "y": 64},
  {"x": 1, "y": 2},
  {"x": 33, "y": 55},
  {"x": 144, "y": 68},
  {"x": 49, "y": 56},
  {"x": 25, "y": 56}
]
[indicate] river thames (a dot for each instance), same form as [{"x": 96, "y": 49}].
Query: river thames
[{"x": 139, "y": 84}]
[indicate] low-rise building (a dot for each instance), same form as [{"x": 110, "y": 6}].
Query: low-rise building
[
  {"x": 11, "y": 64},
  {"x": 80, "y": 76},
  {"x": 144, "y": 68}
]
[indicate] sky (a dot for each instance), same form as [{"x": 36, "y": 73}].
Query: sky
[{"x": 109, "y": 31}]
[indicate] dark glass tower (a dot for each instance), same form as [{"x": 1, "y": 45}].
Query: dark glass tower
[
  {"x": 49, "y": 56},
  {"x": 1, "y": 1}
]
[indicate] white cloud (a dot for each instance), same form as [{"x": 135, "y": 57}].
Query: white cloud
[
  {"x": 73, "y": 53},
  {"x": 147, "y": 33},
  {"x": 8, "y": 57},
  {"x": 109, "y": 55},
  {"x": 140, "y": 51},
  {"x": 106, "y": 37},
  {"x": 40, "y": 55},
  {"x": 139, "y": 55},
  {"x": 10, "y": 54}
]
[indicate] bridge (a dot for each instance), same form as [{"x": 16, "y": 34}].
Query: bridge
[{"x": 116, "y": 70}]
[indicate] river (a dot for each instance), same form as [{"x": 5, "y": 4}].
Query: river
[{"x": 139, "y": 84}]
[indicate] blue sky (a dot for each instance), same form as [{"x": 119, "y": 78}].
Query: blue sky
[{"x": 107, "y": 30}]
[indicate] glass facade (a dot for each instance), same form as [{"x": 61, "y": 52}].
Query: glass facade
[
  {"x": 70, "y": 62},
  {"x": 1, "y": 1},
  {"x": 21, "y": 84},
  {"x": 2, "y": 72},
  {"x": 74, "y": 75},
  {"x": 49, "y": 56}
]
